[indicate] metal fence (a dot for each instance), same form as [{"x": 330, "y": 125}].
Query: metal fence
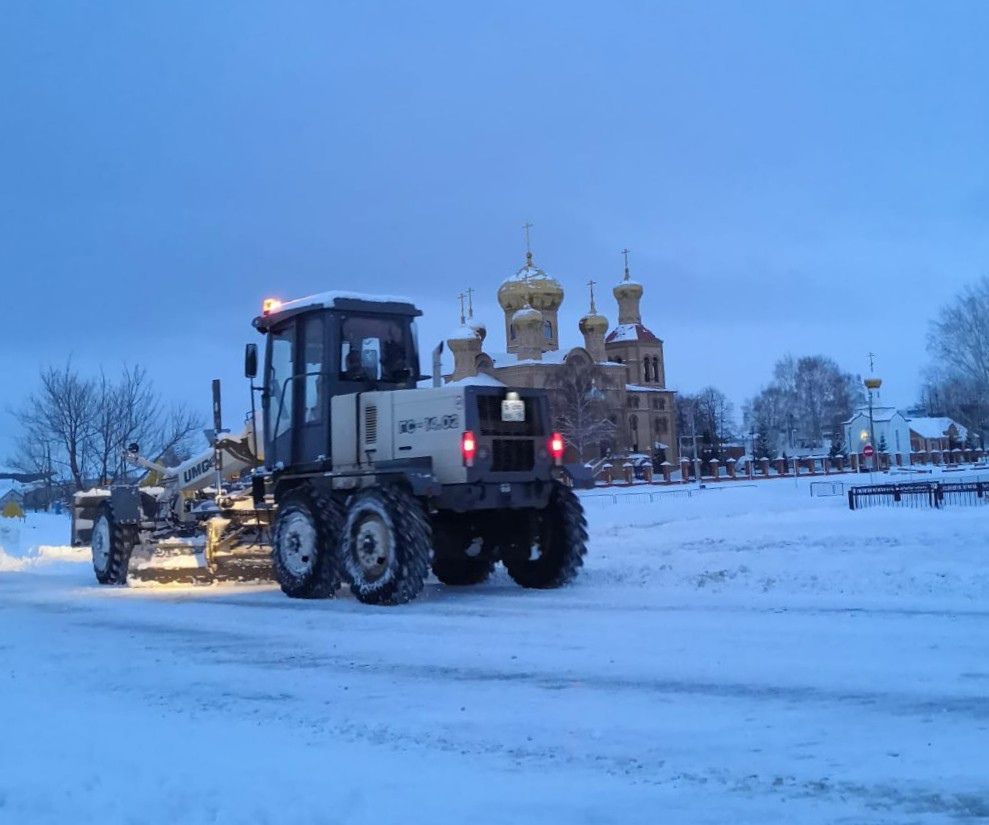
[
  {"x": 920, "y": 494},
  {"x": 827, "y": 488},
  {"x": 647, "y": 497}
]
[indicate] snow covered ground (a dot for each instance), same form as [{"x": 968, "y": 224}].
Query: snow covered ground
[{"x": 745, "y": 655}]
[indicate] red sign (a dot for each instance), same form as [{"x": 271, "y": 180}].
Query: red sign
[{"x": 868, "y": 451}]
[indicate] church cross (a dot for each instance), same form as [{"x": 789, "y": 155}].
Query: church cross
[
  {"x": 591, "y": 285},
  {"x": 625, "y": 253},
  {"x": 872, "y": 363},
  {"x": 470, "y": 302},
  {"x": 461, "y": 296}
]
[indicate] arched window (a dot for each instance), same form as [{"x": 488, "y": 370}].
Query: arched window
[
  {"x": 633, "y": 422},
  {"x": 511, "y": 331},
  {"x": 547, "y": 330},
  {"x": 645, "y": 369},
  {"x": 655, "y": 368}
]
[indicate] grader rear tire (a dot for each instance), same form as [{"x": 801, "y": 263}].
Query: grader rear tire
[
  {"x": 451, "y": 564},
  {"x": 305, "y": 544},
  {"x": 553, "y": 556}
]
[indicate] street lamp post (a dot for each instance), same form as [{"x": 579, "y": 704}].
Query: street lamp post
[{"x": 870, "y": 385}]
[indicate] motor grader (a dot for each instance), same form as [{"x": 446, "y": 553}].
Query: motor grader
[{"x": 375, "y": 480}]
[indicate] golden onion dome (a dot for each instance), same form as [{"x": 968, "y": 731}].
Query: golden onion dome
[
  {"x": 592, "y": 322},
  {"x": 527, "y": 318},
  {"x": 628, "y": 289},
  {"x": 530, "y": 285},
  {"x": 513, "y": 294}
]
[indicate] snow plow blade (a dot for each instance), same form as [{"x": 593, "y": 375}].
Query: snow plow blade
[
  {"x": 227, "y": 553},
  {"x": 183, "y": 566}
]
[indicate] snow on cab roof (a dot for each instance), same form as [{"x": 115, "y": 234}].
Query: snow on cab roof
[{"x": 329, "y": 299}]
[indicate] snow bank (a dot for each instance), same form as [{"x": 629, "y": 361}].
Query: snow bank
[
  {"x": 38, "y": 541},
  {"x": 772, "y": 539}
]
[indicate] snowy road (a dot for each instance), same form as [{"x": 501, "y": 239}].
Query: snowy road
[{"x": 751, "y": 655}]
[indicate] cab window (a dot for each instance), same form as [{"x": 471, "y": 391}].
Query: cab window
[
  {"x": 312, "y": 367},
  {"x": 374, "y": 349},
  {"x": 280, "y": 378}
]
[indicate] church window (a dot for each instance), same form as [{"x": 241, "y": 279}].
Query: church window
[
  {"x": 645, "y": 365},
  {"x": 633, "y": 422},
  {"x": 547, "y": 330},
  {"x": 662, "y": 427},
  {"x": 511, "y": 331},
  {"x": 655, "y": 368}
]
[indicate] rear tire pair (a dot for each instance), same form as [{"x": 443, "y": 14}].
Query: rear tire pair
[
  {"x": 543, "y": 551},
  {"x": 379, "y": 544}
]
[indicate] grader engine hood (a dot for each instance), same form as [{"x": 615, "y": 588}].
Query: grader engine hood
[{"x": 466, "y": 434}]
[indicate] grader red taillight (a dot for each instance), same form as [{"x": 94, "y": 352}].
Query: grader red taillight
[
  {"x": 468, "y": 447},
  {"x": 556, "y": 448}
]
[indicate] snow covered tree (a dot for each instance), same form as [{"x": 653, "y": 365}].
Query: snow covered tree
[
  {"x": 807, "y": 398},
  {"x": 709, "y": 415},
  {"x": 581, "y": 409}
]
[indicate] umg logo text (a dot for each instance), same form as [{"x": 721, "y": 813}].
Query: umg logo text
[{"x": 197, "y": 470}]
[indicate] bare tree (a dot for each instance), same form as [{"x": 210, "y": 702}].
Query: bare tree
[
  {"x": 129, "y": 411},
  {"x": 807, "y": 400},
  {"x": 959, "y": 336},
  {"x": 33, "y": 458},
  {"x": 172, "y": 439},
  {"x": 581, "y": 410},
  {"x": 709, "y": 415},
  {"x": 767, "y": 415},
  {"x": 59, "y": 417},
  {"x": 83, "y": 426},
  {"x": 958, "y": 341}
]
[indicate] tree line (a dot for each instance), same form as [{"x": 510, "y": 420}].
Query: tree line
[
  {"x": 809, "y": 397},
  {"x": 74, "y": 428}
]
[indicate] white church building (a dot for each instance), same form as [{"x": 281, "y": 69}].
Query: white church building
[{"x": 892, "y": 432}]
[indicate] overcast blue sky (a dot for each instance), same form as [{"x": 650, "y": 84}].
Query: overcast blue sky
[{"x": 803, "y": 177}]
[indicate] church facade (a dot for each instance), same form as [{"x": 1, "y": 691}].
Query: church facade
[{"x": 620, "y": 366}]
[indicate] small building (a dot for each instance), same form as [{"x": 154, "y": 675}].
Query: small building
[
  {"x": 935, "y": 434},
  {"x": 892, "y": 431},
  {"x": 12, "y": 494},
  {"x": 12, "y": 503}
]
